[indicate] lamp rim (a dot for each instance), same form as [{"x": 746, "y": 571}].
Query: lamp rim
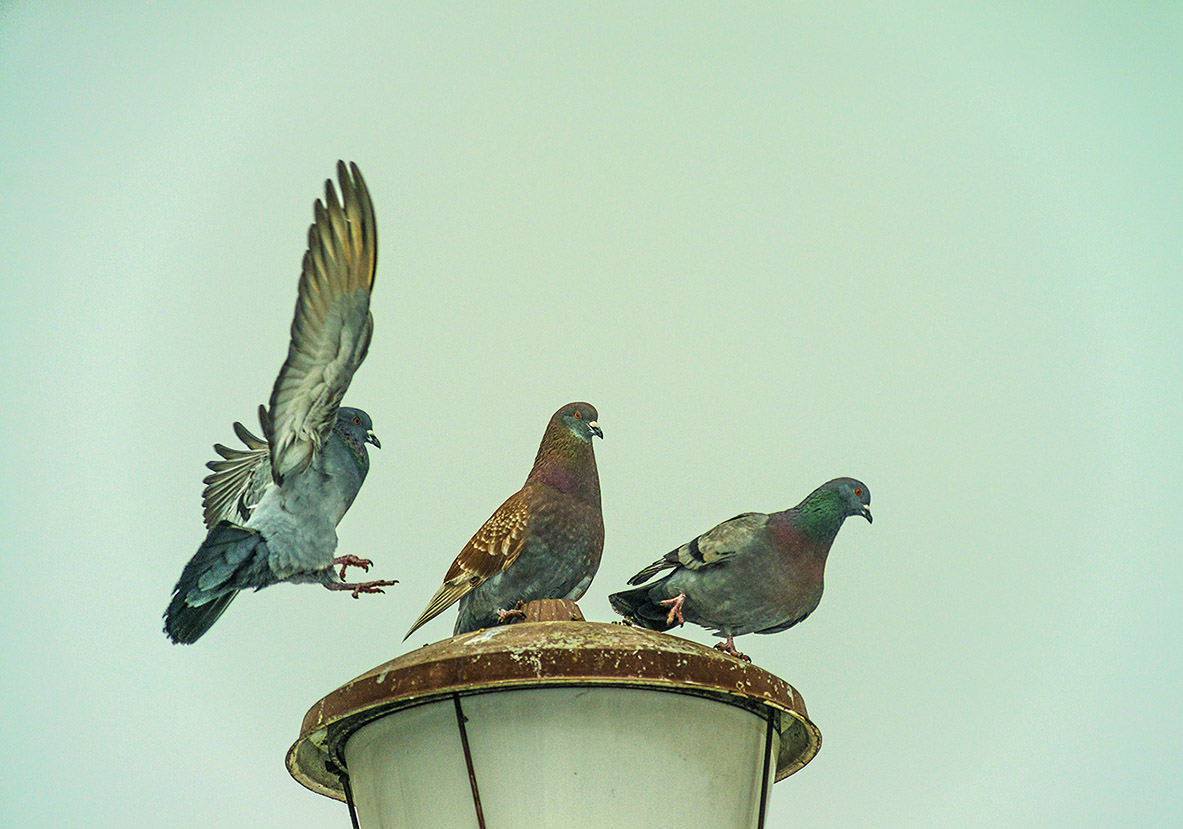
[{"x": 542, "y": 654}]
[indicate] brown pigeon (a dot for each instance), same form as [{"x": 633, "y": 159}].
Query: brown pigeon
[{"x": 544, "y": 542}]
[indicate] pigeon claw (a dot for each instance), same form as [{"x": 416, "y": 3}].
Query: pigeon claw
[
  {"x": 371, "y": 586},
  {"x": 728, "y": 647},
  {"x": 675, "y": 606},
  {"x": 515, "y": 612},
  {"x": 352, "y": 561},
  {"x": 362, "y": 586}
]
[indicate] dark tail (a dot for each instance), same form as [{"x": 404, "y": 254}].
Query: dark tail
[
  {"x": 184, "y": 624},
  {"x": 210, "y": 581},
  {"x": 636, "y": 606}
]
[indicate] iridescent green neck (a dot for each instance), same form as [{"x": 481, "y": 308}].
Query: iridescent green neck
[
  {"x": 821, "y": 514},
  {"x": 356, "y": 448}
]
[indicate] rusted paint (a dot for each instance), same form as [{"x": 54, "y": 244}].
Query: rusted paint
[
  {"x": 539, "y": 653},
  {"x": 549, "y": 610}
]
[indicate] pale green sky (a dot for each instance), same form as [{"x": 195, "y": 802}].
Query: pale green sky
[{"x": 936, "y": 249}]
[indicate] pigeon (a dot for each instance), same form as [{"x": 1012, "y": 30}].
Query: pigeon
[
  {"x": 756, "y": 573},
  {"x": 544, "y": 542},
  {"x": 272, "y": 509}
]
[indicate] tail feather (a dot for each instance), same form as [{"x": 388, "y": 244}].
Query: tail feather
[
  {"x": 226, "y": 562},
  {"x": 640, "y": 609},
  {"x": 185, "y": 624}
]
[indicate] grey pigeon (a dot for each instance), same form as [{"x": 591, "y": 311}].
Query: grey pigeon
[
  {"x": 756, "y": 573},
  {"x": 544, "y": 542},
  {"x": 272, "y": 509}
]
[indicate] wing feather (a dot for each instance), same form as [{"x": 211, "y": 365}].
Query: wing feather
[
  {"x": 332, "y": 326},
  {"x": 712, "y": 547},
  {"x": 490, "y": 551},
  {"x": 237, "y": 481}
]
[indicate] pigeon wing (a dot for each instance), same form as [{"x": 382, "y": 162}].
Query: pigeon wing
[
  {"x": 238, "y": 479},
  {"x": 332, "y": 326},
  {"x": 712, "y": 547},
  {"x": 494, "y": 547}
]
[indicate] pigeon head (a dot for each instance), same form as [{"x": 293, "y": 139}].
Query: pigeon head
[
  {"x": 565, "y": 458},
  {"x": 824, "y": 510},
  {"x": 580, "y": 419},
  {"x": 357, "y": 429},
  {"x": 854, "y": 496}
]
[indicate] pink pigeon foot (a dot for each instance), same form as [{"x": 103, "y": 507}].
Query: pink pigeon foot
[
  {"x": 728, "y": 647},
  {"x": 675, "y": 606},
  {"x": 515, "y": 612},
  {"x": 351, "y": 561},
  {"x": 361, "y": 586}
]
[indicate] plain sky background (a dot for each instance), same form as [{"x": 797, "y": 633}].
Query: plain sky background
[{"x": 935, "y": 246}]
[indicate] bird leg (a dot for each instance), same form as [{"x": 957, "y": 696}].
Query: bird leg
[
  {"x": 351, "y": 561},
  {"x": 728, "y": 647},
  {"x": 675, "y": 606},
  {"x": 361, "y": 586},
  {"x": 515, "y": 612}
]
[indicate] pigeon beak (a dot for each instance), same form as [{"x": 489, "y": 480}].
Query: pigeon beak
[
  {"x": 865, "y": 512},
  {"x": 595, "y": 428},
  {"x": 372, "y": 438}
]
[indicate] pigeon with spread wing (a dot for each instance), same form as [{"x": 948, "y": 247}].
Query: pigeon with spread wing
[{"x": 272, "y": 508}]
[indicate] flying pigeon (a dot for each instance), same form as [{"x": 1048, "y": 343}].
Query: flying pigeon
[
  {"x": 544, "y": 542},
  {"x": 756, "y": 573},
  {"x": 273, "y": 508}
]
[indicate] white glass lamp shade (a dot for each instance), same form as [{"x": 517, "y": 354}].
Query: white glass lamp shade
[{"x": 563, "y": 756}]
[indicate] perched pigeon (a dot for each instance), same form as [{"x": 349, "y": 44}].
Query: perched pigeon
[
  {"x": 756, "y": 573},
  {"x": 272, "y": 509},
  {"x": 544, "y": 542}
]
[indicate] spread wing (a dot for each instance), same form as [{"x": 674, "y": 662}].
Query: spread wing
[
  {"x": 489, "y": 552},
  {"x": 238, "y": 480},
  {"x": 712, "y": 547},
  {"x": 332, "y": 326}
]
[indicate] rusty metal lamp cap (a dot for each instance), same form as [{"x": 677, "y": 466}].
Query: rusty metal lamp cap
[{"x": 548, "y": 654}]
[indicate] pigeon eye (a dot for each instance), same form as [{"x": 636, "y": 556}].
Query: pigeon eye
[
  {"x": 356, "y": 421},
  {"x": 858, "y": 490},
  {"x": 578, "y": 416}
]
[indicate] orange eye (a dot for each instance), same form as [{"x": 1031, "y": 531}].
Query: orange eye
[
  {"x": 578, "y": 416},
  {"x": 858, "y": 491},
  {"x": 357, "y": 421}
]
